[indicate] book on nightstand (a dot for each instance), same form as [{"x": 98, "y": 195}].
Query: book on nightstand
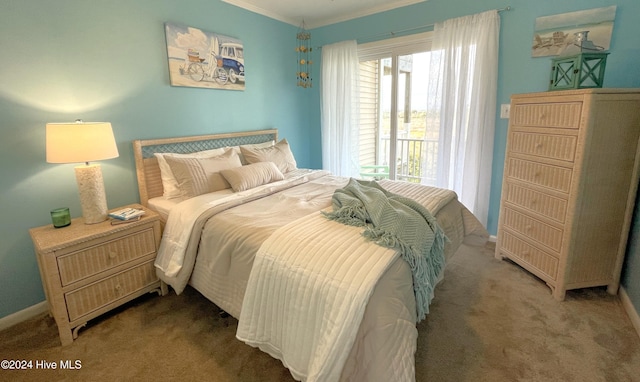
[{"x": 126, "y": 214}]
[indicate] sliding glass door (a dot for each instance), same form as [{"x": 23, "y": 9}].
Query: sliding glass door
[{"x": 398, "y": 134}]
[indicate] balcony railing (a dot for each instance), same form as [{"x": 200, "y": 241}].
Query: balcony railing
[{"x": 416, "y": 159}]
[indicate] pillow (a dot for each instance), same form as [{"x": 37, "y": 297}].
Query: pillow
[
  {"x": 169, "y": 184},
  {"x": 280, "y": 154},
  {"x": 252, "y": 175},
  {"x": 197, "y": 176},
  {"x": 253, "y": 145}
]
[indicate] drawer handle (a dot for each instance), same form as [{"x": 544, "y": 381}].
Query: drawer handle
[
  {"x": 534, "y": 202},
  {"x": 118, "y": 290},
  {"x": 528, "y": 228},
  {"x": 539, "y": 146},
  {"x": 113, "y": 255},
  {"x": 537, "y": 174}
]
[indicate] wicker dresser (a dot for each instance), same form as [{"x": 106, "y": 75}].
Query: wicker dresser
[
  {"x": 570, "y": 181},
  {"x": 88, "y": 270}
]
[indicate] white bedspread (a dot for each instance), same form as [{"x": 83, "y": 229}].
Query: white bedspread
[
  {"x": 308, "y": 290},
  {"x": 305, "y": 298},
  {"x": 177, "y": 253},
  {"x": 215, "y": 229}
]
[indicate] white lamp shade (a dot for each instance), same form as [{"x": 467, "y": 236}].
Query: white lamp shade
[
  {"x": 84, "y": 142},
  {"x": 80, "y": 142}
]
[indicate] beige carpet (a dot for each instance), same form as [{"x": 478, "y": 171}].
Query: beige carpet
[{"x": 490, "y": 321}]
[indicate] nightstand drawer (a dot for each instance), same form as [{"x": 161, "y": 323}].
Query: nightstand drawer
[
  {"x": 520, "y": 250},
  {"x": 89, "y": 261},
  {"x": 85, "y": 300},
  {"x": 538, "y": 202},
  {"x": 553, "y": 177},
  {"x": 562, "y": 115},
  {"x": 533, "y": 229},
  {"x": 552, "y": 146}
]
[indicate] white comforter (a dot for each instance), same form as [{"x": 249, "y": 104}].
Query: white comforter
[
  {"x": 308, "y": 290},
  {"x": 178, "y": 249},
  {"x": 300, "y": 306},
  {"x": 385, "y": 324}
]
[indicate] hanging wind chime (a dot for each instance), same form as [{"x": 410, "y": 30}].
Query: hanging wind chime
[{"x": 303, "y": 48}]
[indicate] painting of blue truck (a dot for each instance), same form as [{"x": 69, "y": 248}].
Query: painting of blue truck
[{"x": 204, "y": 59}]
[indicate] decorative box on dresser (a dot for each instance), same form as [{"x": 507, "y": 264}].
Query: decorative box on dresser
[
  {"x": 89, "y": 269},
  {"x": 570, "y": 182}
]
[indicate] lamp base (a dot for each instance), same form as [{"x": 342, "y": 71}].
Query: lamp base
[{"x": 92, "y": 196}]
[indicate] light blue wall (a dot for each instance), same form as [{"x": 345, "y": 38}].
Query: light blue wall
[
  {"x": 518, "y": 71},
  {"x": 105, "y": 60}
]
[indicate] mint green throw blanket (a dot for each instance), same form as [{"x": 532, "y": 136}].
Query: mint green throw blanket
[{"x": 397, "y": 222}]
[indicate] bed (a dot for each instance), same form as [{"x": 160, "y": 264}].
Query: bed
[{"x": 251, "y": 234}]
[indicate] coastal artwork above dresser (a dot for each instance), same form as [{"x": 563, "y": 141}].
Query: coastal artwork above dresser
[
  {"x": 559, "y": 35},
  {"x": 569, "y": 186}
]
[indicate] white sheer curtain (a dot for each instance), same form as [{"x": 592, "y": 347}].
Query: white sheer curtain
[
  {"x": 465, "y": 61},
  {"x": 339, "y": 116}
]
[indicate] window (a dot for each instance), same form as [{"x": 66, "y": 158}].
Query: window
[{"x": 398, "y": 134}]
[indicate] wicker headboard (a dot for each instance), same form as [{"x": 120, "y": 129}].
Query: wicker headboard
[{"x": 148, "y": 172}]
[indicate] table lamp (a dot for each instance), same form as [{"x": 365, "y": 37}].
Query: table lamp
[{"x": 84, "y": 142}]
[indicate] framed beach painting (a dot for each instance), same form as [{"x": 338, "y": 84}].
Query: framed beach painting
[
  {"x": 591, "y": 29},
  {"x": 204, "y": 59}
]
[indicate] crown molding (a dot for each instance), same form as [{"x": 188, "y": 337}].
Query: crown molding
[{"x": 311, "y": 22}]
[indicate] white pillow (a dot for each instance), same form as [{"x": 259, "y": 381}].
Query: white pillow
[
  {"x": 252, "y": 175},
  {"x": 197, "y": 176},
  {"x": 253, "y": 145},
  {"x": 169, "y": 184},
  {"x": 280, "y": 154}
]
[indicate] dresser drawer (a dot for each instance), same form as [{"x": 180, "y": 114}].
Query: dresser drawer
[
  {"x": 552, "y": 146},
  {"x": 546, "y": 205},
  {"x": 561, "y": 115},
  {"x": 545, "y": 175},
  {"x": 94, "y": 296},
  {"x": 533, "y": 229},
  {"x": 89, "y": 261},
  {"x": 524, "y": 252}
]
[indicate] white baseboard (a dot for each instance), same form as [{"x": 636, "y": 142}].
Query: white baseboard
[
  {"x": 23, "y": 315},
  {"x": 630, "y": 309}
]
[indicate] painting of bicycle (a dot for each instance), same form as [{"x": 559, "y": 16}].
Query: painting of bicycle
[{"x": 204, "y": 59}]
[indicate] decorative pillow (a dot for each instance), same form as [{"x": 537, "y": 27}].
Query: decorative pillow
[
  {"x": 252, "y": 175},
  {"x": 197, "y": 176},
  {"x": 280, "y": 154},
  {"x": 253, "y": 145},
  {"x": 169, "y": 184}
]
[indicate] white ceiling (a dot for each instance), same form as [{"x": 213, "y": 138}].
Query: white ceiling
[{"x": 317, "y": 13}]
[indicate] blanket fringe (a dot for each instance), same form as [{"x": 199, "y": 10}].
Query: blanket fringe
[{"x": 349, "y": 215}]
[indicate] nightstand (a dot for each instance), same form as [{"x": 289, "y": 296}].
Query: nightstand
[{"x": 89, "y": 269}]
